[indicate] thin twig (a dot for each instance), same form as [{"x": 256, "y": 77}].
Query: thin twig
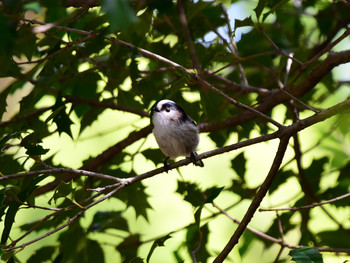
[
  {"x": 61, "y": 171},
  {"x": 233, "y": 46},
  {"x": 278, "y": 49},
  {"x": 278, "y": 241},
  {"x": 306, "y": 206},
  {"x": 70, "y": 221},
  {"x": 183, "y": 20},
  {"x": 256, "y": 201}
]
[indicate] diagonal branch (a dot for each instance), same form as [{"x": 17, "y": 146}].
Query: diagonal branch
[{"x": 256, "y": 201}]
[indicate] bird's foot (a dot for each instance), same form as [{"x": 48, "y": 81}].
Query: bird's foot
[
  {"x": 195, "y": 161},
  {"x": 166, "y": 165}
]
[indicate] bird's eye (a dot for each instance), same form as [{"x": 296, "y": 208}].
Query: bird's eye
[{"x": 167, "y": 109}]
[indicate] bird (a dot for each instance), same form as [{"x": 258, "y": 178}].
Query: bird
[{"x": 175, "y": 132}]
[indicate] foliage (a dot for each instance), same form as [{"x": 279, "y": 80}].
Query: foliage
[{"x": 269, "y": 76}]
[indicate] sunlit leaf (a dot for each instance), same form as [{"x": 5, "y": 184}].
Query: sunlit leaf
[{"x": 306, "y": 255}]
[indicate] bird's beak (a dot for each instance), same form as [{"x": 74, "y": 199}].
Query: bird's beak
[{"x": 156, "y": 109}]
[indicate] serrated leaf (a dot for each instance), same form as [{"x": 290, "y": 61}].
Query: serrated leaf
[
  {"x": 36, "y": 150},
  {"x": 259, "y": 8},
  {"x": 306, "y": 255},
  {"x": 135, "y": 196},
  {"x": 62, "y": 190},
  {"x": 196, "y": 240},
  {"x": 239, "y": 165},
  {"x": 212, "y": 193},
  {"x": 103, "y": 220},
  {"x": 159, "y": 242},
  {"x": 76, "y": 247},
  {"x": 245, "y": 22},
  {"x": 119, "y": 13},
  {"x": 154, "y": 155},
  {"x": 128, "y": 248},
  {"x": 196, "y": 196},
  {"x": 9, "y": 220},
  {"x": 60, "y": 117},
  {"x": 42, "y": 254},
  {"x": 191, "y": 193}
]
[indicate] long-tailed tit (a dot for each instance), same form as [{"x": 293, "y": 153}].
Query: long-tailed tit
[{"x": 175, "y": 132}]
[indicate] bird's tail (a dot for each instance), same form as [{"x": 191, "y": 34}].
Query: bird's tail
[{"x": 196, "y": 161}]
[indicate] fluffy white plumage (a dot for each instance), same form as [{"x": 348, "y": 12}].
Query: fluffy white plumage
[{"x": 175, "y": 132}]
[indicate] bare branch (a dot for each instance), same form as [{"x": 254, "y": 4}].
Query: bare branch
[
  {"x": 60, "y": 171},
  {"x": 256, "y": 201},
  {"x": 70, "y": 221},
  {"x": 307, "y": 206},
  {"x": 278, "y": 241}
]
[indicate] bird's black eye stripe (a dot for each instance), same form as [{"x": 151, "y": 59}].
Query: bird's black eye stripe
[{"x": 166, "y": 107}]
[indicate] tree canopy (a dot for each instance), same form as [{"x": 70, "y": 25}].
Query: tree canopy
[{"x": 81, "y": 176}]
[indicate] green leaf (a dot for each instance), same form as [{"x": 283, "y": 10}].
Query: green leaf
[
  {"x": 119, "y": 13},
  {"x": 196, "y": 196},
  {"x": 159, "y": 242},
  {"x": 36, "y": 150},
  {"x": 8, "y": 37},
  {"x": 76, "y": 247},
  {"x": 135, "y": 196},
  {"x": 26, "y": 42},
  {"x": 60, "y": 117},
  {"x": 154, "y": 155},
  {"x": 245, "y": 22},
  {"x": 31, "y": 143},
  {"x": 212, "y": 193},
  {"x": 239, "y": 165},
  {"x": 62, "y": 190},
  {"x": 103, "y": 220},
  {"x": 42, "y": 254},
  {"x": 191, "y": 193},
  {"x": 9, "y": 220},
  {"x": 260, "y": 7},
  {"x": 306, "y": 255},
  {"x": 314, "y": 172},
  {"x": 278, "y": 4},
  {"x": 35, "y": 6},
  {"x": 196, "y": 240},
  {"x": 334, "y": 238},
  {"x": 128, "y": 248}
]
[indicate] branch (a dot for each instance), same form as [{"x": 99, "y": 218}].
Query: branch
[
  {"x": 252, "y": 111},
  {"x": 307, "y": 206},
  {"x": 25, "y": 117},
  {"x": 70, "y": 221},
  {"x": 256, "y": 201},
  {"x": 123, "y": 182},
  {"x": 278, "y": 241},
  {"x": 278, "y": 96},
  {"x": 61, "y": 171},
  {"x": 100, "y": 160}
]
